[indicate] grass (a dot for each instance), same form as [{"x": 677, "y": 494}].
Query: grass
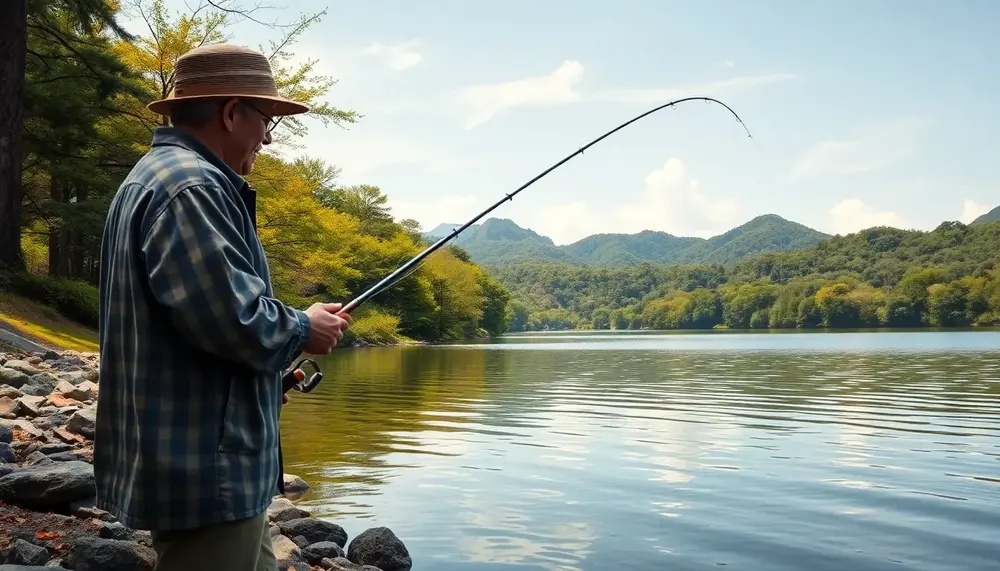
[{"x": 45, "y": 325}]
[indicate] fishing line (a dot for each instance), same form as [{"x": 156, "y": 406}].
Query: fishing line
[{"x": 295, "y": 378}]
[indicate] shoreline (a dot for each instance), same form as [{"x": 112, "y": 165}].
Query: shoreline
[{"x": 47, "y": 491}]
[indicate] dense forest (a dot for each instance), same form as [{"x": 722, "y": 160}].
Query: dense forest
[
  {"x": 83, "y": 124},
  {"x": 880, "y": 277}
]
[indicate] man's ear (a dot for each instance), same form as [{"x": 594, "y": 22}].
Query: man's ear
[{"x": 229, "y": 111}]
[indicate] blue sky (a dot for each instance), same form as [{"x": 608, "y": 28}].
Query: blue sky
[{"x": 862, "y": 113}]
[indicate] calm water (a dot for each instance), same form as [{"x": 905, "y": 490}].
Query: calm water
[{"x": 785, "y": 451}]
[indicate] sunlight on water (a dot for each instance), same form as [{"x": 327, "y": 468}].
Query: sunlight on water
[{"x": 589, "y": 451}]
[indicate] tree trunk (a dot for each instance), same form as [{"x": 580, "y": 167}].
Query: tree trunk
[{"x": 13, "y": 54}]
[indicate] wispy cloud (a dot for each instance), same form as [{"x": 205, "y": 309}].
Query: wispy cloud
[
  {"x": 670, "y": 201},
  {"x": 483, "y": 102},
  {"x": 713, "y": 88},
  {"x": 399, "y": 56},
  {"x": 870, "y": 148}
]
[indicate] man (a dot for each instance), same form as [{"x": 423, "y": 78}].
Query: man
[{"x": 192, "y": 341}]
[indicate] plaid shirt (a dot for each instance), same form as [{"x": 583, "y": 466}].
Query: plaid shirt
[{"x": 192, "y": 344}]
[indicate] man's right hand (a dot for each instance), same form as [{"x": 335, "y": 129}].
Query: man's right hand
[{"x": 326, "y": 327}]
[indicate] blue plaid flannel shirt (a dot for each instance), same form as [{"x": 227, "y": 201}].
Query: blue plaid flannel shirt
[{"x": 192, "y": 345}]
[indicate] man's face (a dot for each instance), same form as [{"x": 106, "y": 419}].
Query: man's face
[{"x": 248, "y": 133}]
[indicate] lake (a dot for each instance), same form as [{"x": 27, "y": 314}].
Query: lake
[{"x": 677, "y": 451}]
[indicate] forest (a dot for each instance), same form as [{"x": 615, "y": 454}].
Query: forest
[
  {"x": 78, "y": 122},
  {"x": 879, "y": 277}
]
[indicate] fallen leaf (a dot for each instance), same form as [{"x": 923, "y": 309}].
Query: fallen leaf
[{"x": 46, "y": 535}]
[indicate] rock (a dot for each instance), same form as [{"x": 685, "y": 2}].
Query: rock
[
  {"x": 115, "y": 530},
  {"x": 21, "y": 366},
  {"x": 7, "y": 407},
  {"x": 54, "y": 447},
  {"x": 36, "y": 458},
  {"x": 282, "y": 509},
  {"x": 83, "y": 422},
  {"x": 314, "y": 530},
  {"x": 67, "y": 436},
  {"x": 90, "y": 388},
  {"x": 289, "y": 565},
  {"x": 27, "y": 406},
  {"x": 48, "y": 485},
  {"x": 10, "y": 392},
  {"x": 22, "y": 429},
  {"x": 7, "y": 455},
  {"x": 25, "y": 553},
  {"x": 6, "y": 434},
  {"x": 47, "y": 380},
  {"x": 86, "y": 509},
  {"x": 63, "y": 401},
  {"x": 380, "y": 547},
  {"x": 13, "y": 377},
  {"x": 275, "y": 531},
  {"x": 342, "y": 564},
  {"x": 286, "y": 549},
  {"x": 294, "y": 485},
  {"x": 316, "y": 552},
  {"x": 37, "y": 359},
  {"x": 51, "y": 355},
  {"x": 63, "y": 457},
  {"x": 99, "y": 554},
  {"x": 71, "y": 391},
  {"x": 301, "y": 541}
]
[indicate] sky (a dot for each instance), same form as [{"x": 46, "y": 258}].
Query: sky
[{"x": 862, "y": 113}]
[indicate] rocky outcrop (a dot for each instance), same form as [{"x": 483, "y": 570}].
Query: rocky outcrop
[{"x": 48, "y": 412}]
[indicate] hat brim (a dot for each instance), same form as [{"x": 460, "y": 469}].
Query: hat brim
[{"x": 279, "y": 106}]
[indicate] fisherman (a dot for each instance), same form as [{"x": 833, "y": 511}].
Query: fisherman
[{"x": 192, "y": 340}]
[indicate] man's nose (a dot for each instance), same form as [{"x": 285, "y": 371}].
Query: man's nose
[{"x": 267, "y": 138}]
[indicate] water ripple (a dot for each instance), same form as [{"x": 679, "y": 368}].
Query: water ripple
[{"x": 790, "y": 451}]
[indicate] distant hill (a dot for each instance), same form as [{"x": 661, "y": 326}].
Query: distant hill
[
  {"x": 991, "y": 216},
  {"x": 499, "y": 241}
]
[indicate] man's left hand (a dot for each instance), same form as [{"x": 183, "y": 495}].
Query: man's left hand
[{"x": 284, "y": 399}]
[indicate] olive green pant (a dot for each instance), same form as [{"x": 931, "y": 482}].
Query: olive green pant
[{"x": 243, "y": 545}]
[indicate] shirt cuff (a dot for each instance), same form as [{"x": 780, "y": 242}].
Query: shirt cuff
[{"x": 305, "y": 328}]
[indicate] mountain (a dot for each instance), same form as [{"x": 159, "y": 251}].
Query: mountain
[
  {"x": 991, "y": 216},
  {"x": 499, "y": 241}
]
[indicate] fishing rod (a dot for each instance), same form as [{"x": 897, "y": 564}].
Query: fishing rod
[{"x": 295, "y": 378}]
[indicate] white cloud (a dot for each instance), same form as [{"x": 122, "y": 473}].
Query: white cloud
[
  {"x": 972, "y": 210},
  {"x": 870, "y": 148},
  {"x": 671, "y": 201},
  {"x": 482, "y": 102},
  {"x": 399, "y": 56},
  {"x": 714, "y": 89},
  {"x": 852, "y": 215},
  {"x": 450, "y": 208}
]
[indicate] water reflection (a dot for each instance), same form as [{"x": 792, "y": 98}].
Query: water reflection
[{"x": 743, "y": 454}]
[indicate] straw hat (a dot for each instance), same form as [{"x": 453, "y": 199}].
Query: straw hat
[{"x": 225, "y": 71}]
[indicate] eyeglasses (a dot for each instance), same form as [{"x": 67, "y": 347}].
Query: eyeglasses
[{"x": 271, "y": 121}]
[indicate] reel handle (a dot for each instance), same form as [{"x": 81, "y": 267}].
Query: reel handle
[{"x": 295, "y": 378}]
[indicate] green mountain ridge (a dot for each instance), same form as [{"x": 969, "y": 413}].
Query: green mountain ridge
[
  {"x": 500, "y": 242},
  {"x": 991, "y": 216}
]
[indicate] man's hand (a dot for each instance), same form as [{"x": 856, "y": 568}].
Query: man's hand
[{"x": 327, "y": 327}]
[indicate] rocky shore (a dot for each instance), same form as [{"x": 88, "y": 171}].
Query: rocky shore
[{"x": 47, "y": 514}]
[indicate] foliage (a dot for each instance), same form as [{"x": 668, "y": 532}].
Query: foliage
[
  {"x": 879, "y": 277},
  {"x": 86, "y": 123},
  {"x": 500, "y": 242}
]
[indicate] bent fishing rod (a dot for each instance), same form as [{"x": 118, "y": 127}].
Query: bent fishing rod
[{"x": 295, "y": 378}]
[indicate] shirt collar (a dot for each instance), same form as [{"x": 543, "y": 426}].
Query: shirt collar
[
  {"x": 164, "y": 136},
  {"x": 175, "y": 137}
]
